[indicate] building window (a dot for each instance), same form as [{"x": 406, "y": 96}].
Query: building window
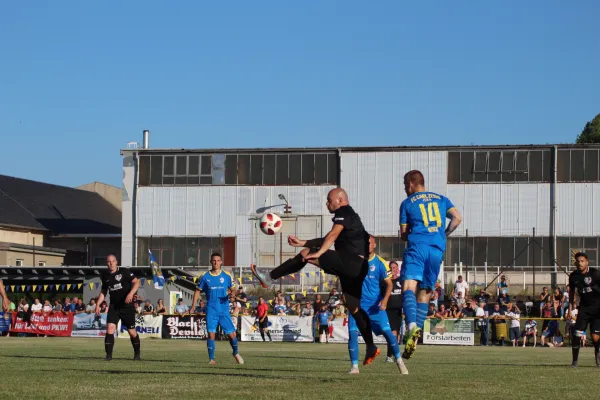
[
  {"x": 578, "y": 165},
  {"x": 185, "y": 251},
  {"x": 390, "y": 248},
  {"x": 19, "y": 262},
  {"x": 567, "y": 247},
  {"x": 239, "y": 169},
  {"x": 41, "y": 263},
  {"x": 519, "y": 253},
  {"x": 499, "y": 166}
]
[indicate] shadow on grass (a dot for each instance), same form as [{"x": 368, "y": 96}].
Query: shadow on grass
[{"x": 302, "y": 358}]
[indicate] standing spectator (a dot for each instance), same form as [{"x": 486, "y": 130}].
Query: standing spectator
[
  {"x": 323, "y": 319},
  {"x": 67, "y": 306},
  {"x": 543, "y": 298},
  {"x": 565, "y": 304},
  {"x": 80, "y": 307},
  {"x": 47, "y": 307},
  {"x": 241, "y": 296},
  {"x": 483, "y": 297},
  {"x": 558, "y": 301},
  {"x": 498, "y": 324},
  {"x": 318, "y": 303},
  {"x": 482, "y": 314},
  {"x": 514, "y": 314},
  {"x": 138, "y": 307},
  {"x": 279, "y": 309},
  {"x": 148, "y": 308},
  {"x": 23, "y": 306},
  {"x": 262, "y": 317},
  {"x": 468, "y": 310},
  {"x": 502, "y": 286},
  {"x": 161, "y": 309},
  {"x": 460, "y": 286},
  {"x": 181, "y": 308},
  {"x": 503, "y": 300},
  {"x": 530, "y": 331},
  {"x": 333, "y": 297},
  {"x": 74, "y": 302},
  {"x": 36, "y": 307},
  {"x": 440, "y": 293}
]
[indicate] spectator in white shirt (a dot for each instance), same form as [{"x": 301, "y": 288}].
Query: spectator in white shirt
[
  {"x": 47, "y": 307},
  {"x": 91, "y": 308},
  {"x": 36, "y": 306},
  {"x": 514, "y": 314},
  {"x": 461, "y": 286},
  {"x": 482, "y": 314}
]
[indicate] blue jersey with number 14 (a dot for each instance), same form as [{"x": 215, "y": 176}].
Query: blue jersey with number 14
[{"x": 424, "y": 213}]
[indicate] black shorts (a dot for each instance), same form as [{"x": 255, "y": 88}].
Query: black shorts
[
  {"x": 589, "y": 316},
  {"x": 395, "y": 318},
  {"x": 124, "y": 313},
  {"x": 351, "y": 269},
  {"x": 264, "y": 324},
  {"x": 323, "y": 329}
]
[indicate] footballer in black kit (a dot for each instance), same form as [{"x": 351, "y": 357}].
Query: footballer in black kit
[
  {"x": 121, "y": 285},
  {"x": 586, "y": 282},
  {"x": 349, "y": 260}
]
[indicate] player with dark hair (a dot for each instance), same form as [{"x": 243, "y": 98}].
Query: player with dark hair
[
  {"x": 218, "y": 285},
  {"x": 374, "y": 300},
  {"x": 586, "y": 282},
  {"x": 262, "y": 318},
  {"x": 121, "y": 285},
  {"x": 423, "y": 224},
  {"x": 348, "y": 260}
]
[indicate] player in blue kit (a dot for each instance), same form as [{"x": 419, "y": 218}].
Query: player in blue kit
[
  {"x": 374, "y": 303},
  {"x": 423, "y": 224},
  {"x": 218, "y": 286}
]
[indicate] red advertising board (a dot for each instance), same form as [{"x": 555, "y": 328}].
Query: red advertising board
[{"x": 58, "y": 324}]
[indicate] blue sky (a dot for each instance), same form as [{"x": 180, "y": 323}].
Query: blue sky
[{"x": 80, "y": 79}]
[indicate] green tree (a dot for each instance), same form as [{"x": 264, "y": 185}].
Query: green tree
[{"x": 591, "y": 132}]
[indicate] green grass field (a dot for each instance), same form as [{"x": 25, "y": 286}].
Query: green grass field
[{"x": 72, "y": 368}]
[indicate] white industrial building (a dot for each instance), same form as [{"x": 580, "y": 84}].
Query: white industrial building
[{"x": 185, "y": 203}]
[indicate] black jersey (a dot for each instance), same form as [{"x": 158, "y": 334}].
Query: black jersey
[
  {"x": 353, "y": 239},
  {"x": 395, "y": 301},
  {"x": 118, "y": 285},
  {"x": 587, "y": 286}
]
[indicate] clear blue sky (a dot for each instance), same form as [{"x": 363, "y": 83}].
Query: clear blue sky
[{"x": 80, "y": 79}]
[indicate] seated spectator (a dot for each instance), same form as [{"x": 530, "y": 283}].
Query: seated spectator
[
  {"x": 201, "y": 308},
  {"x": 454, "y": 311},
  {"x": 482, "y": 297},
  {"x": 557, "y": 340},
  {"x": 23, "y": 306},
  {"x": 280, "y": 308},
  {"x": 434, "y": 298},
  {"x": 503, "y": 300},
  {"x": 460, "y": 300},
  {"x": 161, "y": 309},
  {"x": 80, "y": 307},
  {"x": 67, "y": 306},
  {"x": 530, "y": 331},
  {"x": 181, "y": 308},
  {"x": 333, "y": 297},
  {"x": 468, "y": 311},
  {"x": 339, "y": 311},
  {"x": 138, "y": 307},
  {"x": 234, "y": 306},
  {"x": 148, "y": 308},
  {"x": 91, "y": 308},
  {"x": 47, "y": 307},
  {"x": 290, "y": 309},
  {"x": 442, "y": 312},
  {"x": 241, "y": 296},
  {"x": 549, "y": 332},
  {"x": 57, "y": 306},
  {"x": 104, "y": 307},
  {"x": 307, "y": 310},
  {"x": 431, "y": 310},
  {"x": 36, "y": 307},
  {"x": 74, "y": 302}
]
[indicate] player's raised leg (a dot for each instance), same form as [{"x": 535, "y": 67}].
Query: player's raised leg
[{"x": 227, "y": 325}]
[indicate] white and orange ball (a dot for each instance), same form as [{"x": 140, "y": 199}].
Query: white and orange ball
[{"x": 270, "y": 223}]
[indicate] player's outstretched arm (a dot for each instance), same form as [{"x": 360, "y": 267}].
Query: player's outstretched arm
[
  {"x": 194, "y": 300},
  {"x": 5, "y": 301},
  {"x": 455, "y": 220},
  {"x": 388, "y": 292},
  {"x": 328, "y": 241}
]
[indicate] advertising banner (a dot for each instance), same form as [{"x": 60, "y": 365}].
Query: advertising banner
[
  {"x": 338, "y": 332},
  {"x": 449, "y": 331},
  {"x": 89, "y": 325},
  {"x": 147, "y": 326},
  {"x": 186, "y": 327},
  {"x": 5, "y": 320},
  {"x": 283, "y": 328},
  {"x": 44, "y": 324}
]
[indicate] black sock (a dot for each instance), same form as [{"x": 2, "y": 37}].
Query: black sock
[
  {"x": 262, "y": 335},
  {"x": 291, "y": 266},
  {"x": 596, "y": 348},
  {"x": 109, "y": 343},
  {"x": 135, "y": 341},
  {"x": 269, "y": 335},
  {"x": 575, "y": 348},
  {"x": 363, "y": 323},
  {"x": 390, "y": 352}
]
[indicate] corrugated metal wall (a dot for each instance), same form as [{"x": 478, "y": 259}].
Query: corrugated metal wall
[{"x": 578, "y": 209}]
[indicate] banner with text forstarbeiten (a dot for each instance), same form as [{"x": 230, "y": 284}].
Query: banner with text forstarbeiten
[
  {"x": 147, "y": 326},
  {"x": 459, "y": 332},
  {"x": 283, "y": 328},
  {"x": 89, "y": 325}
]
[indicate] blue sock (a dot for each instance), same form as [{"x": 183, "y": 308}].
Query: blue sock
[
  {"x": 392, "y": 342},
  {"x": 210, "y": 344},
  {"x": 353, "y": 346},
  {"x": 409, "y": 305},
  {"x": 422, "y": 309},
  {"x": 234, "y": 345}
]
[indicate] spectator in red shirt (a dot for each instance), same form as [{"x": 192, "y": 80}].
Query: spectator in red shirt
[{"x": 263, "y": 319}]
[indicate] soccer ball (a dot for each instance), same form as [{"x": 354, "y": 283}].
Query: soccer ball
[{"x": 270, "y": 223}]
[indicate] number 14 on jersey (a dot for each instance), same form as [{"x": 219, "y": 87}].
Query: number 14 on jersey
[{"x": 431, "y": 216}]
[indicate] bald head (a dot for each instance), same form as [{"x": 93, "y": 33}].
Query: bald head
[{"x": 336, "y": 198}]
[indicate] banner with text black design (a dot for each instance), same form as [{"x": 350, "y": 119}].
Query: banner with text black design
[{"x": 186, "y": 327}]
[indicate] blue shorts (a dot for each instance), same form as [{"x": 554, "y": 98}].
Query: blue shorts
[
  {"x": 379, "y": 320},
  {"x": 421, "y": 263},
  {"x": 212, "y": 320}
]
